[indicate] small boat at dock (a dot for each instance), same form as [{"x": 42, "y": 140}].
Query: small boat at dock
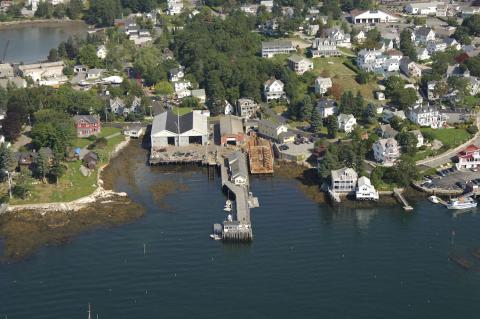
[
  {"x": 228, "y": 205},
  {"x": 434, "y": 199},
  {"x": 217, "y": 232}
]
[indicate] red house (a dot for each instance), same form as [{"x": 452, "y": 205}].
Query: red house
[{"x": 87, "y": 125}]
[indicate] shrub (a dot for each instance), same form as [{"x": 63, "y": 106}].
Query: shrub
[{"x": 472, "y": 129}]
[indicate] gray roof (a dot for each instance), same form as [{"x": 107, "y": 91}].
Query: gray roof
[
  {"x": 424, "y": 31},
  {"x": 297, "y": 58},
  {"x": 169, "y": 121},
  {"x": 237, "y": 162},
  {"x": 326, "y": 103},
  {"x": 91, "y": 119},
  {"x": 230, "y": 124},
  {"x": 277, "y": 44}
]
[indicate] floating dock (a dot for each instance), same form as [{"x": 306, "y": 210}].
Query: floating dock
[{"x": 260, "y": 155}]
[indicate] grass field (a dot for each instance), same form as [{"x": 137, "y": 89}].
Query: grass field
[
  {"x": 181, "y": 110},
  {"x": 334, "y": 68},
  {"x": 106, "y": 131},
  {"x": 449, "y": 137}
]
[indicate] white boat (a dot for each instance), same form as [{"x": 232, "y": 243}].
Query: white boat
[
  {"x": 230, "y": 217},
  {"x": 434, "y": 199},
  {"x": 462, "y": 203},
  {"x": 215, "y": 236},
  {"x": 228, "y": 206}
]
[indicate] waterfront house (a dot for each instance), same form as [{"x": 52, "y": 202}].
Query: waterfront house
[
  {"x": 386, "y": 151},
  {"x": 169, "y": 128},
  {"x": 273, "y": 89},
  {"x": 346, "y": 122},
  {"x": 246, "y": 108},
  {"x": 87, "y": 125},
  {"x": 300, "y": 64},
  {"x": 48, "y": 73},
  {"x": 237, "y": 166},
  {"x": 326, "y": 107},
  {"x": 271, "y": 48},
  {"x": 6, "y": 70},
  {"x": 271, "y": 130},
  {"x": 134, "y": 130},
  {"x": 468, "y": 158},
  {"x": 344, "y": 180},
  {"x": 365, "y": 190},
  {"x": 425, "y": 115},
  {"x": 231, "y": 130},
  {"x": 371, "y": 16},
  {"x": 322, "y": 85}
]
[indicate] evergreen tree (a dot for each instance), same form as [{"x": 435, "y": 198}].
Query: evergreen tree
[
  {"x": 7, "y": 159},
  {"x": 42, "y": 164},
  {"x": 57, "y": 170},
  {"x": 406, "y": 44},
  {"x": 332, "y": 126},
  {"x": 306, "y": 108},
  {"x": 316, "y": 121}
]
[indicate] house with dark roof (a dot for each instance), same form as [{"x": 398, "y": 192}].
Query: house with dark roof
[
  {"x": 87, "y": 125},
  {"x": 231, "y": 130}
]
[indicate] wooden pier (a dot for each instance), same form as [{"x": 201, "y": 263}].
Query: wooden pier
[
  {"x": 240, "y": 228},
  {"x": 398, "y": 195},
  {"x": 260, "y": 155}
]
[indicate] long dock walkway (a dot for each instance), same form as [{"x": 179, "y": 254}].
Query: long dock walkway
[
  {"x": 398, "y": 195},
  {"x": 239, "y": 229}
]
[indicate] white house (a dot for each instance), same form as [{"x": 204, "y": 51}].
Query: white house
[
  {"x": 174, "y": 7},
  {"x": 341, "y": 38},
  {"x": 386, "y": 151},
  {"x": 300, "y": 64},
  {"x": 365, "y": 190},
  {"x": 344, "y": 180},
  {"x": 273, "y": 89},
  {"x": 246, "y": 108},
  {"x": 237, "y": 167},
  {"x": 389, "y": 113},
  {"x": 346, "y": 122},
  {"x": 94, "y": 74},
  {"x": 419, "y": 136},
  {"x": 324, "y": 47},
  {"x": 422, "y": 54},
  {"x": 229, "y": 109},
  {"x": 468, "y": 158},
  {"x": 44, "y": 72},
  {"x": 271, "y": 130},
  {"x": 372, "y": 16},
  {"x": 176, "y": 74},
  {"x": 322, "y": 85},
  {"x": 360, "y": 36},
  {"x": 423, "y": 8},
  {"x": 436, "y": 46},
  {"x": 424, "y": 35},
  {"x": 425, "y": 115},
  {"x": 181, "y": 86},
  {"x": 410, "y": 68},
  {"x": 102, "y": 52},
  {"x": 376, "y": 61},
  {"x": 326, "y": 107}
]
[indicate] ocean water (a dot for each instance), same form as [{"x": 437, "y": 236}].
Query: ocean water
[{"x": 306, "y": 261}]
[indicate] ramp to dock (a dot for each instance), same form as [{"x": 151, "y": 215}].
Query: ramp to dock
[{"x": 398, "y": 195}]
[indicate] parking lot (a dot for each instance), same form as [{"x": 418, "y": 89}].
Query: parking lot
[{"x": 452, "y": 179}]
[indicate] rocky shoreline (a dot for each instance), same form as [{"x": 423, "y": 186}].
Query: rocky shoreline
[{"x": 37, "y": 22}]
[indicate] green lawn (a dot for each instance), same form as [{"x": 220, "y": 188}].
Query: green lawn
[
  {"x": 181, "y": 110},
  {"x": 334, "y": 68},
  {"x": 450, "y": 137},
  {"x": 107, "y": 131}
]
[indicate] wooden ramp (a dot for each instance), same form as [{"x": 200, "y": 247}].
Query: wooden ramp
[
  {"x": 398, "y": 195},
  {"x": 260, "y": 155}
]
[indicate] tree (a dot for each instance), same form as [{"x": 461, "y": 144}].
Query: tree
[
  {"x": 44, "y": 10},
  {"x": 57, "y": 170},
  {"x": 393, "y": 83},
  {"x": 42, "y": 164},
  {"x": 336, "y": 91},
  {"x": 316, "y": 121},
  {"x": 12, "y": 125},
  {"x": 7, "y": 159},
  {"x": 396, "y": 123},
  {"x": 74, "y": 9},
  {"x": 404, "y": 98},
  {"x": 103, "y": 12},
  {"x": 406, "y": 44},
  {"x": 88, "y": 56},
  {"x": 164, "y": 88},
  {"x": 52, "y": 130},
  {"x": 22, "y": 187},
  {"x": 461, "y": 34},
  {"x": 306, "y": 108},
  {"x": 440, "y": 89},
  {"x": 405, "y": 171},
  {"x": 59, "y": 11},
  {"x": 408, "y": 141},
  {"x": 332, "y": 126},
  {"x": 472, "y": 24},
  {"x": 53, "y": 55}
]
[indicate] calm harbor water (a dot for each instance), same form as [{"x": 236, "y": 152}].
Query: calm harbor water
[
  {"x": 307, "y": 260},
  {"x": 30, "y": 44}
]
